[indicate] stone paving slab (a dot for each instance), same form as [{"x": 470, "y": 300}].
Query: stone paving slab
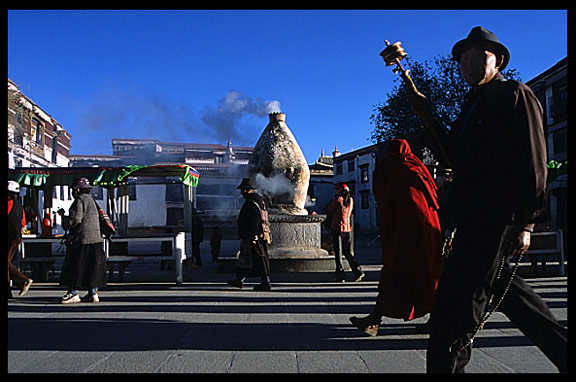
[{"x": 205, "y": 326}]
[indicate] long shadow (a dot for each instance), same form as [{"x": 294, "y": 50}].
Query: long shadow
[
  {"x": 82, "y": 330},
  {"x": 109, "y": 334}
]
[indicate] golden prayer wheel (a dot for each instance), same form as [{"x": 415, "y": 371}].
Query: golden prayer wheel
[{"x": 392, "y": 55}]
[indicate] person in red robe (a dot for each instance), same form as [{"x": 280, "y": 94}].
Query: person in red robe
[
  {"x": 16, "y": 223},
  {"x": 410, "y": 235}
]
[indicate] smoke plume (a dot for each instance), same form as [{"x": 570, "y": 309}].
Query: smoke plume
[
  {"x": 234, "y": 102},
  {"x": 275, "y": 185},
  {"x": 134, "y": 113},
  {"x": 224, "y": 120}
]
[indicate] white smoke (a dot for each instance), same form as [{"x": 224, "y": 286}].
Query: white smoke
[
  {"x": 224, "y": 119},
  {"x": 234, "y": 102},
  {"x": 273, "y": 107},
  {"x": 277, "y": 184},
  {"x": 124, "y": 112}
]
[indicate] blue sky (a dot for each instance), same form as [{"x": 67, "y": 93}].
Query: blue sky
[{"x": 207, "y": 75}]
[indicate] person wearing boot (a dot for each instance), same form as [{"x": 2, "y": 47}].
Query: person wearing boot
[
  {"x": 16, "y": 222},
  {"x": 340, "y": 208},
  {"x": 253, "y": 260},
  {"x": 410, "y": 236}
]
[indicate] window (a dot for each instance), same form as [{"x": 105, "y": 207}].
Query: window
[
  {"x": 350, "y": 165},
  {"x": 19, "y": 129},
  {"x": 174, "y": 193},
  {"x": 364, "y": 200},
  {"x": 174, "y": 216},
  {"x": 37, "y": 132},
  {"x": 560, "y": 139},
  {"x": 131, "y": 192},
  {"x": 559, "y": 101},
  {"x": 364, "y": 175},
  {"x": 339, "y": 170}
]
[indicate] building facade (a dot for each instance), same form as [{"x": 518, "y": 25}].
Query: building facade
[
  {"x": 157, "y": 205},
  {"x": 551, "y": 88},
  {"x": 321, "y": 186},
  {"x": 36, "y": 139},
  {"x": 355, "y": 168}
]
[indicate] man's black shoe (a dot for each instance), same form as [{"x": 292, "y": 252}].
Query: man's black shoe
[
  {"x": 263, "y": 286},
  {"x": 236, "y": 283}
]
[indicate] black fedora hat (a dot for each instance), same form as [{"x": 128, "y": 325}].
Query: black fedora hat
[
  {"x": 483, "y": 37},
  {"x": 247, "y": 184}
]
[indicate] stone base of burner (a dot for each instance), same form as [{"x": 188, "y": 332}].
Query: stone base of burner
[
  {"x": 300, "y": 234},
  {"x": 296, "y": 244}
]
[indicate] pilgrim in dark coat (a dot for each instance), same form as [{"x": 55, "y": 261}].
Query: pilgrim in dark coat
[
  {"x": 85, "y": 262},
  {"x": 497, "y": 150},
  {"x": 253, "y": 259}
]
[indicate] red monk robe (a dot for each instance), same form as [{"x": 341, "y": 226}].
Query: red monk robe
[{"x": 410, "y": 233}]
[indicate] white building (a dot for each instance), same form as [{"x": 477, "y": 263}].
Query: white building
[
  {"x": 355, "y": 168},
  {"x": 35, "y": 139},
  {"x": 156, "y": 205}
]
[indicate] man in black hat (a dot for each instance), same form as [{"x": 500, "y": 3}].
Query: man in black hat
[
  {"x": 497, "y": 151},
  {"x": 253, "y": 260}
]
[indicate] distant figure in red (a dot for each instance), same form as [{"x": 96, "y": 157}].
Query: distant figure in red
[
  {"x": 410, "y": 234},
  {"x": 16, "y": 223}
]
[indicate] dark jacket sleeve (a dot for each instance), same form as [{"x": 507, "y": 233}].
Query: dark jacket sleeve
[
  {"x": 249, "y": 220},
  {"x": 530, "y": 177},
  {"x": 498, "y": 150}
]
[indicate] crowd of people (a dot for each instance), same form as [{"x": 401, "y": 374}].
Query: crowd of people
[{"x": 456, "y": 269}]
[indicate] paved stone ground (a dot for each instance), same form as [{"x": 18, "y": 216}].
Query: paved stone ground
[{"x": 205, "y": 326}]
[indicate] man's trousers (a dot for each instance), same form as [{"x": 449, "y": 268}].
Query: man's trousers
[{"x": 470, "y": 274}]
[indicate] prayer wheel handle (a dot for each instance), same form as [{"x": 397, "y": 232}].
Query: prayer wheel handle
[{"x": 392, "y": 55}]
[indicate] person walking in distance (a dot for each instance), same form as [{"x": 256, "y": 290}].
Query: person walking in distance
[
  {"x": 16, "y": 223},
  {"x": 197, "y": 237},
  {"x": 85, "y": 262},
  {"x": 215, "y": 243},
  {"x": 253, "y": 260},
  {"x": 340, "y": 209}
]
